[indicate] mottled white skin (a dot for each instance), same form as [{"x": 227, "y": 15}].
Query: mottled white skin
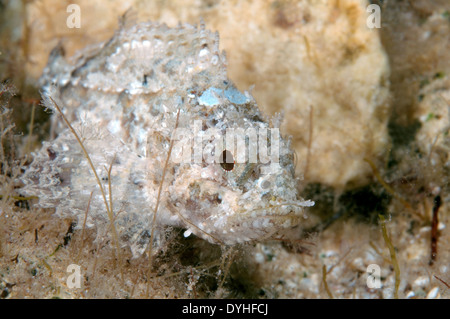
[{"x": 123, "y": 97}]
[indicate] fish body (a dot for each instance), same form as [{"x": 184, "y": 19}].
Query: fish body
[{"x": 159, "y": 118}]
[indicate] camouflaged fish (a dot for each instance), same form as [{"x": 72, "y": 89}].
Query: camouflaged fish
[{"x": 149, "y": 92}]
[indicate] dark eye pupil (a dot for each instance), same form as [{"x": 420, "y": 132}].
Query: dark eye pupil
[{"x": 227, "y": 160}]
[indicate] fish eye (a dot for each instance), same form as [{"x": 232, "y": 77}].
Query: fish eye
[
  {"x": 227, "y": 160},
  {"x": 265, "y": 185}
]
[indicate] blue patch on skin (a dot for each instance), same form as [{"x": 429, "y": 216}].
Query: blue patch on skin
[
  {"x": 213, "y": 95},
  {"x": 236, "y": 97},
  {"x": 210, "y": 97}
]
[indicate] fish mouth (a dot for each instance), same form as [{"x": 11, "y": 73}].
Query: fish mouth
[
  {"x": 280, "y": 210},
  {"x": 252, "y": 225},
  {"x": 261, "y": 222}
]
